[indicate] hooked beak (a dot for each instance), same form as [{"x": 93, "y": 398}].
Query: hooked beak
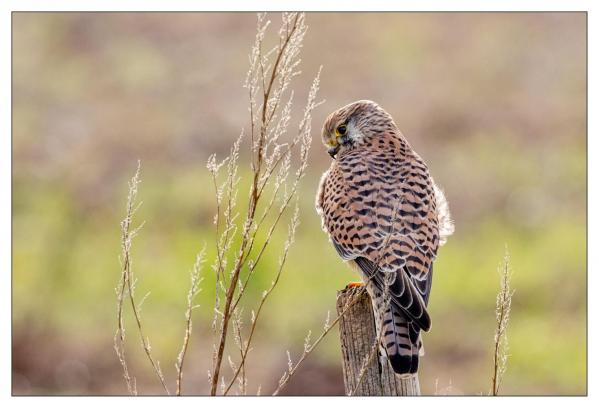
[{"x": 333, "y": 151}]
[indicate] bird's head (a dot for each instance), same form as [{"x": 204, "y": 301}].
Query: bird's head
[{"x": 352, "y": 125}]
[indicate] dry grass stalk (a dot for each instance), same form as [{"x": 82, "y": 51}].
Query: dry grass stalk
[
  {"x": 121, "y": 290},
  {"x": 239, "y": 342},
  {"x": 268, "y": 83},
  {"x": 126, "y": 288},
  {"x": 502, "y": 315},
  {"x": 448, "y": 390},
  {"x": 194, "y": 289}
]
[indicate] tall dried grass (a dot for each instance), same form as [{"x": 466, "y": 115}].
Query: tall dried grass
[
  {"x": 278, "y": 163},
  {"x": 126, "y": 289},
  {"x": 503, "y": 308}
]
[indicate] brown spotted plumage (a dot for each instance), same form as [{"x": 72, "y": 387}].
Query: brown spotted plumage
[{"x": 386, "y": 217}]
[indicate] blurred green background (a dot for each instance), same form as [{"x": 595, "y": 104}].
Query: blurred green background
[{"x": 495, "y": 103}]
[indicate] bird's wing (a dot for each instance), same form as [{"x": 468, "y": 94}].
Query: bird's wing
[{"x": 379, "y": 210}]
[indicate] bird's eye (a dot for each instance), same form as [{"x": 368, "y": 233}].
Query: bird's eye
[{"x": 341, "y": 130}]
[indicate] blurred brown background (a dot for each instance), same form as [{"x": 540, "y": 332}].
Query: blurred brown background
[{"x": 494, "y": 102}]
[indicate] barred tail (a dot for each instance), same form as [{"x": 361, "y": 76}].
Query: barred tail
[{"x": 400, "y": 340}]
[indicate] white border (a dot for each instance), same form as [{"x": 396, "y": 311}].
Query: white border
[{"x": 329, "y": 5}]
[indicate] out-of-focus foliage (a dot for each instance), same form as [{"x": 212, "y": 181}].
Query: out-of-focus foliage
[{"x": 495, "y": 104}]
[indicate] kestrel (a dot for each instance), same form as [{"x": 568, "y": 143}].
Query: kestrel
[{"x": 387, "y": 218}]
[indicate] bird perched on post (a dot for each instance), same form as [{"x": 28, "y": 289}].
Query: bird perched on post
[{"x": 387, "y": 218}]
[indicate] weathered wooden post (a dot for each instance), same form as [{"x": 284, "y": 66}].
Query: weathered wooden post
[{"x": 358, "y": 335}]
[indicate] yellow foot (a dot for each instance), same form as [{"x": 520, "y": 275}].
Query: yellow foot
[{"x": 354, "y": 285}]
